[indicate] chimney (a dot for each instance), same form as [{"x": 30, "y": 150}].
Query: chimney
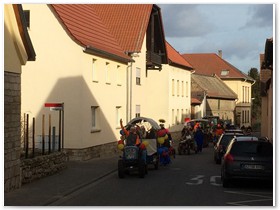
[{"x": 220, "y": 53}]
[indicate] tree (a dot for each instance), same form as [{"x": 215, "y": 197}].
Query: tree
[{"x": 256, "y": 95}]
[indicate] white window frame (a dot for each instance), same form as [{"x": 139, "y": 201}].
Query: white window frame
[
  {"x": 178, "y": 88},
  {"x": 224, "y": 72},
  {"x": 119, "y": 75},
  {"x": 94, "y": 71},
  {"x": 138, "y": 76},
  {"x": 107, "y": 73},
  {"x": 187, "y": 89},
  {"x": 118, "y": 115},
  {"x": 137, "y": 110},
  {"x": 95, "y": 119},
  {"x": 173, "y": 87}
]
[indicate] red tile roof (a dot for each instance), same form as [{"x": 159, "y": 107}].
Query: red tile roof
[
  {"x": 195, "y": 101},
  {"x": 87, "y": 29},
  {"x": 176, "y": 58},
  {"x": 128, "y": 22},
  {"x": 211, "y": 63}
]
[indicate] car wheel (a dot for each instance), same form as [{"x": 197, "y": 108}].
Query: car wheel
[
  {"x": 121, "y": 169},
  {"x": 225, "y": 183}
]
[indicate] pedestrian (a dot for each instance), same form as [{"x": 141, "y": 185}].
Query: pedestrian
[{"x": 198, "y": 136}]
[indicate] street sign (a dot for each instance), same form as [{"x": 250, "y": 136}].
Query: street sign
[{"x": 54, "y": 106}]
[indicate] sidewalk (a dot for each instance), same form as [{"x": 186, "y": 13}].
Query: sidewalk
[{"x": 47, "y": 190}]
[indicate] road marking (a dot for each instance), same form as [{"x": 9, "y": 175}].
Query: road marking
[
  {"x": 197, "y": 180},
  {"x": 213, "y": 180},
  {"x": 241, "y": 203}
]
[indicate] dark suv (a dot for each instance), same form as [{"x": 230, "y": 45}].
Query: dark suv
[
  {"x": 221, "y": 145},
  {"x": 247, "y": 157}
]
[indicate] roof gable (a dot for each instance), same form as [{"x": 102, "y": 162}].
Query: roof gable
[
  {"x": 211, "y": 63},
  {"x": 128, "y": 22},
  {"x": 214, "y": 87},
  {"x": 175, "y": 58},
  {"x": 88, "y": 30}
]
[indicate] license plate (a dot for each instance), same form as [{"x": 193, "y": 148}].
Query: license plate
[{"x": 253, "y": 167}]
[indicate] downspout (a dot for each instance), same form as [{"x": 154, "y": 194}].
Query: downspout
[
  {"x": 130, "y": 105},
  {"x": 127, "y": 91}
]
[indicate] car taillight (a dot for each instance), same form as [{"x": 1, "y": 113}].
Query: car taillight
[{"x": 228, "y": 158}]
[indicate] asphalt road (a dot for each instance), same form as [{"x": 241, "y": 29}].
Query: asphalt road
[{"x": 190, "y": 180}]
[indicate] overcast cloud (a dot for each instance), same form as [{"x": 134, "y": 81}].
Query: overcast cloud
[{"x": 239, "y": 30}]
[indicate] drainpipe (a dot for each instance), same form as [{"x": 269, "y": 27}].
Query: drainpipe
[
  {"x": 129, "y": 83},
  {"x": 129, "y": 92},
  {"x": 130, "y": 102}
]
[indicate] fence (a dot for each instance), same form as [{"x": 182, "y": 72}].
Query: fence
[{"x": 43, "y": 144}]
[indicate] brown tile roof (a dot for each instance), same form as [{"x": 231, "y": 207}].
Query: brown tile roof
[
  {"x": 214, "y": 86},
  {"x": 175, "y": 58},
  {"x": 88, "y": 30},
  {"x": 128, "y": 22},
  {"x": 211, "y": 63},
  {"x": 195, "y": 101}
]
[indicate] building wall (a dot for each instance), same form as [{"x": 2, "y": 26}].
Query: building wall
[
  {"x": 62, "y": 72},
  {"x": 14, "y": 57},
  {"x": 267, "y": 115},
  {"x": 172, "y": 101},
  {"x": 244, "y": 101},
  {"x": 222, "y": 108}
]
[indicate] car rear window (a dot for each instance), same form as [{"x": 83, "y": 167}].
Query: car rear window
[
  {"x": 247, "y": 148},
  {"x": 226, "y": 139}
]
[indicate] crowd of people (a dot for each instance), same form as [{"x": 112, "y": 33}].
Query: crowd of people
[{"x": 133, "y": 135}]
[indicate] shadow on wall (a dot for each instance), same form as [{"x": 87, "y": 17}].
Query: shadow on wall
[{"x": 78, "y": 101}]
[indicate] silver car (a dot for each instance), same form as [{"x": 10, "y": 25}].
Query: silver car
[{"x": 247, "y": 157}]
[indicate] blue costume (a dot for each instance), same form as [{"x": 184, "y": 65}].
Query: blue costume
[{"x": 198, "y": 136}]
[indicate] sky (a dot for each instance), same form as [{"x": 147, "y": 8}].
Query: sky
[{"x": 239, "y": 30}]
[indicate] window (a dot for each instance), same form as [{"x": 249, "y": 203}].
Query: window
[
  {"x": 118, "y": 115},
  {"x": 119, "y": 76},
  {"x": 27, "y": 17},
  {"x": 182, "y": 88},
  {"x": 108, "y": 73},
  {"x": 138, "y": 76},
  {"x": 173, "y": 117},
  {"x": 187, "y": 89},
  {"x": 137, "y": 111},
  {"x": 94, "y": 118},
  {"x": 182, "y": 116},
  {"x": 224, "y": 72},
  {"x": 178, "y": 88},
  {"x": 243, "y": 94},
  {"x": 173, "y": 87},
  {"x": 94, "y": 71},
  {"x": 178, "y": 117}
]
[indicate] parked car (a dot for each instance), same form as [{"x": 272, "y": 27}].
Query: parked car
[
  {"x": 249, "y": 158},
  {"x": 221, "y": 145},
  {"x": 234, "y": 131}
]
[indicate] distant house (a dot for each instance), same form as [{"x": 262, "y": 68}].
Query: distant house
[
  {"x": 215, "y": 97},
  {"x": 18, "y": 50},
  {"x": 211, "y": 63},
  {"x": 266, "y": 77},
  {"x": 169, "y": 95}
]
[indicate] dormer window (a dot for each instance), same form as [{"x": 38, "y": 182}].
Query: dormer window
[{"x": 224, "y": 72}]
